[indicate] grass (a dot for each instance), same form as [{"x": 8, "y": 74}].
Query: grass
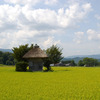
[{"x": 65, "y": 83}]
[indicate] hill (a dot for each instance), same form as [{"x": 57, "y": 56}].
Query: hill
[
  {"x": 6, "y": 50},
  {"x": 81, "y": 57},
  {"x": 96, "y": 56}
]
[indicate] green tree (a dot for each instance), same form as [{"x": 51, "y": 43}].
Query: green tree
[
  {"x": 18, "y": 52},
  {"x": 54, "y": 56},
  {"x": 1, "y": 57},
  {"x": 6, "y": 58},
  {"x": 1, "y": 60},
  {"x": 90, "y": 62},
  {"x": 73, "y": 63},
  {"x": 54, "y": 53},
  {"x": 1, "y": 53},
  {"x": 80, "y": 63},
  {"x": 8, "y": 62},
  {"x": 66, "y": 62}
]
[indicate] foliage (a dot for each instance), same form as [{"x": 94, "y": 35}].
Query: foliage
[
  {"x": 21, "y": 66},
  {"x": 1, "y": 53},
  {"x": 80, "y": 63},
  {"x": 6, "y": 58},
  {"x": 73, "y": 63},
  {"x": 66, "y": 62},
  {"x": 8, "y": 62},
  {"x": 18, "y": 52},
  {"x": 54, "y": 56},
  {"x": 1, "y": 60},
  {"x": 90, "y": 62},
  {"x": 54, "y": 53},
  {"x": 71, "y": 83},
  {"x": 47, "y": 64}
]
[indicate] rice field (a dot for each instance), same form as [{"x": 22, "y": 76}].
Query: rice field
[{"x": 64, "y": 83}]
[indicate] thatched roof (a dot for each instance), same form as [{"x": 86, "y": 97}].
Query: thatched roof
[{"x": 35, "y": 52}]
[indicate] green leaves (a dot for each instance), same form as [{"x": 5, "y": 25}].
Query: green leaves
[
  {"x": 90, "y": 61},
  {"x": 54, "y": 53},
  {"x": 54, "y": 56},
  {"x": 18, "y": 52},
  {"x": 6, "y": 58}
]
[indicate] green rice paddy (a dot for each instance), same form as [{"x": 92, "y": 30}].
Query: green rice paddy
[{"x": 64, "y": 83}]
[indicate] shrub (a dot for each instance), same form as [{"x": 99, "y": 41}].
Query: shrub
[{"x": 21, "y": 66}]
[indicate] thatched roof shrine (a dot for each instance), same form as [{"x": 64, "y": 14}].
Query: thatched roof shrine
[
  {"x": 35, "y": 57},
  {"x": 35, "y": 52}
]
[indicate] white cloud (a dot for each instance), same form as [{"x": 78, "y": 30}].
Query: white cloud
[
  {"x": 99, "y": 47},
  {"x": 74, "y": 1},
  {"x": 22, "y": 24},
  {"x": 93, "y": 35},
  {"x": 2, "y": 42},
  {"x": 75, "y": 13},
  {"x": 78, "y": 37},
  {"x": 48, "y": 2},
  {"x": 50, "y": 41},
  {"x": 86, "y": 7},
  {"x": 31, "y": 2},
  {"x": 23, "y": 2},
  {"x": 24, "y": 16},
  {"x": 79, "y": 34}
]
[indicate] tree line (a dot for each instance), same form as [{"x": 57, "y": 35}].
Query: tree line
[
  {"x": 6, "y": 58},
  {"x": 87, "y": 62},
  {"x": 54, "y": 56}
]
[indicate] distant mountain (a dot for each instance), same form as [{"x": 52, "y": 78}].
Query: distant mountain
[
  {"x": 76, "y": 59},
  {"x": 81, "y": 57},
  {"x": 96, "y": 56},
  {"x": 6, "y": 50}
]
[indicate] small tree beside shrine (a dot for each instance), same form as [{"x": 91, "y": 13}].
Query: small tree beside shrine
[{"x": 54, "y": 54}]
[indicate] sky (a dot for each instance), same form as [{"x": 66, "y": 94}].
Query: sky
[{"x": 72, "y": 25}]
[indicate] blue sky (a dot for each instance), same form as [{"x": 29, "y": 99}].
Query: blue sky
[{"x": 73, "y": 25}]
